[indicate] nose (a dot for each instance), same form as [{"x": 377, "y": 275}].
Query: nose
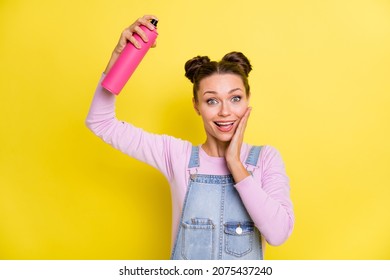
[{"x": 224, "y": 110}]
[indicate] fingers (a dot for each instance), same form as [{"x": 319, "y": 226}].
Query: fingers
[
  {"x": 145, "y": 20},
  {"x": 243, "y": 122},
  {"x": 238, "y": 137},
  {"x": 233, "y": 152},
  {"x": 135, "y": 28}
]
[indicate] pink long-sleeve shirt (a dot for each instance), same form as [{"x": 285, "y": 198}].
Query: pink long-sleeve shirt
[{"x": 265, "y": 194}]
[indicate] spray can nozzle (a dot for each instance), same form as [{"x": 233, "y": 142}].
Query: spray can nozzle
[{"x": 154, "y": 22}]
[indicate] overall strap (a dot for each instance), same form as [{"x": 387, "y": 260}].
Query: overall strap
[
  {"x": 252, "y": 161},
  {"x": 194, "y": 160}
]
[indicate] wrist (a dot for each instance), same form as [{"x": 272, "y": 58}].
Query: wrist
[
  {"x": 233, "y": 163},
  {"x": 238, "y": 170},
  {"x": 114, "y": 57}
]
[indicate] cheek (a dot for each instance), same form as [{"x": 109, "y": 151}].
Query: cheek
[
  {"x": 206, "y": 116},
  {"x": 207, "y": 112},
  {"x": 240, "y": 112}
]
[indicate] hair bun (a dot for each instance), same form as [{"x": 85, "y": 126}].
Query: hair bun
[
  {"x": 240, "y": 59},
  {"x": 193, "y": 65}
]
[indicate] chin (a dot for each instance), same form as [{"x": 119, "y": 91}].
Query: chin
[
  {"x": 226, "y": 138},
  {"x": 221, "y": 137}
]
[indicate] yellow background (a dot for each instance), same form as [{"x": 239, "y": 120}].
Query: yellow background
[{"x": 320, "y": 94}]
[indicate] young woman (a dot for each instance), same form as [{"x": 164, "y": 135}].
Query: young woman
[{"x": 228, "y": 197}]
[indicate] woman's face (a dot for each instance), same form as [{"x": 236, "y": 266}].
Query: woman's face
[{"x": 222, "y": 102}]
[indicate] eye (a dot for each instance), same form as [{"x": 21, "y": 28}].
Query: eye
[
  {"x": 212, "y": 101},
  {"x": 236, "y": 99}
]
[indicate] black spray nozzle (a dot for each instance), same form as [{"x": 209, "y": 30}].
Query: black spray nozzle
[{"x": 154, "y": 22}]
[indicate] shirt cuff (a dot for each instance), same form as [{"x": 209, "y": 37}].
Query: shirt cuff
[
  {"x": 245, "y": 182},
  {"x": 249, "y": 189}
]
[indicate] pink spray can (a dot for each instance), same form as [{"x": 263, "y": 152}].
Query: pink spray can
[{"x": 128, "y": 61}]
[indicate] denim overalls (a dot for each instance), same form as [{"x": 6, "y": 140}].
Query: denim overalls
[{"x": 214, "y": 224}]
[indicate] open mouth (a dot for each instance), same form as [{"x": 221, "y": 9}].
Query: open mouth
[{"x": 224, "y": 126}]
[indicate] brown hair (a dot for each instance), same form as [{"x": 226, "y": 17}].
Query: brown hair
[{"x": 201, "y": 67}]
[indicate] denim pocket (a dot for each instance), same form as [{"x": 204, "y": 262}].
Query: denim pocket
[
  {"x": 238, "y": 238},
  {"x": 197, "y": 239}
]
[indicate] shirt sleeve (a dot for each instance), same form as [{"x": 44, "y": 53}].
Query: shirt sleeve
[
  {"x": 156, "y": 150},
  {"x": 266, "y": 196}
]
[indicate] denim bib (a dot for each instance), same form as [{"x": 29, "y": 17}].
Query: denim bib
[{"x": 214, "y": 224}]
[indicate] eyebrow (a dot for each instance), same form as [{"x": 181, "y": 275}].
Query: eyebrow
[{"x": 214, "y": 92}]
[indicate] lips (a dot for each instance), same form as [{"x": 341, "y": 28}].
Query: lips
[{"x": 224, "y": 126}]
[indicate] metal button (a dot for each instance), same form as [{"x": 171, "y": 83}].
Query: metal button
[{"x": 238, "y": 230}]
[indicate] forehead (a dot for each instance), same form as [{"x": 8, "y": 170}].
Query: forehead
[{"x": 221, "y": 83}]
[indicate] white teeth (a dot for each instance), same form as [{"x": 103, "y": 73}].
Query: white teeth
[{"x": 224, "y": 123}]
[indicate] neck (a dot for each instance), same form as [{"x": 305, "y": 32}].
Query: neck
[{"x": 215, "y": 149}]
